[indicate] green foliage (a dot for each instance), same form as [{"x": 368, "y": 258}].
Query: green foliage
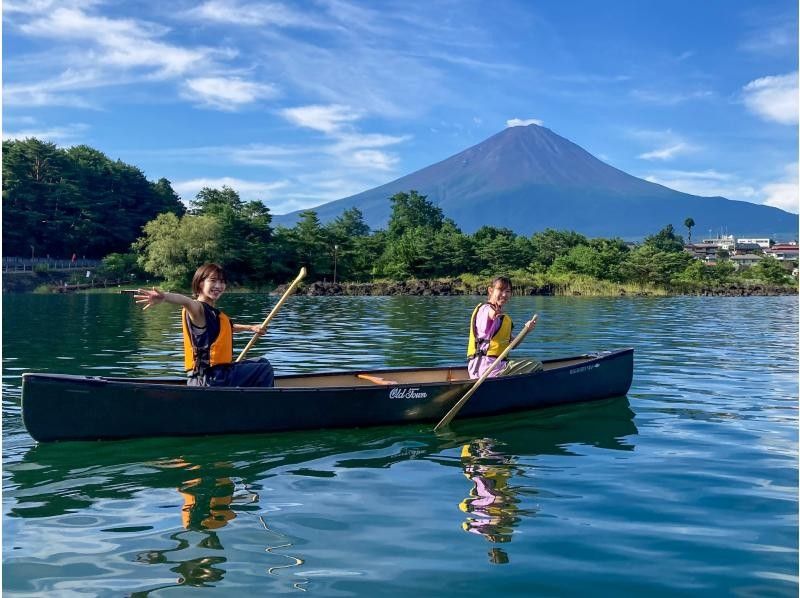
[
  {"x": 549, "y": 244},
  {"x": 770, "y": 270},
  {"x": 121, "y": 266},
  {"x": 75, "y": 201},
  {"x": 413, "y": 211},
  {"x": 647, "y": 264},
  {"x": 172, "y": 248},
  {"x": 665, "y": 240},
  {"x": 689, "y": 224}
]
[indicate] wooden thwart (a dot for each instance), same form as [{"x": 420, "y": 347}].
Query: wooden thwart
[{"x": 376, "y": 379}]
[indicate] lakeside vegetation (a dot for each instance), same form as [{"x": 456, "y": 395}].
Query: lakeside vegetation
[{"x": 58, "y": 201}]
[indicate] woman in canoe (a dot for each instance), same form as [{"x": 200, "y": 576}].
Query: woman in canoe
[
  {"x": 208, "y": 333},
  {"x": 490, "y": 334}
]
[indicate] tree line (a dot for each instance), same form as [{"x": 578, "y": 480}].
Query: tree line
[
  {"x": 418, "y": 242},
  {"x": 79, "y": 201},
  {"x": 60, "y": 202}
]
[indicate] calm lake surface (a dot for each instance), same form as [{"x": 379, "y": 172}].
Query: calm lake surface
[{"x": 687, "y": 486}]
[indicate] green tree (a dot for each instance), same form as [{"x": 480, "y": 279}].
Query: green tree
[
  {"x": 548, "y": 244},
  {"x": 770, "y": 270},
  {"x": 603, "y": 259},
  {"x": 648, "y": 265},
  {"x": 412, "y": 210},
  {"x": 665, "y": 240},
  {"x": 689, "y": 224},
  {"x": 311, "y": 245},
  {"x": 173, "y": 247}
]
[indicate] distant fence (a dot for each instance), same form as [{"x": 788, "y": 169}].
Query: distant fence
[{"x": 12, "y": 265}]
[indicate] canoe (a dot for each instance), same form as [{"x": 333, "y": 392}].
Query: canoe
[{"x": 67, "y": 407}]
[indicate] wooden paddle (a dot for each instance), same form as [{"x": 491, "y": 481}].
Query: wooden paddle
[
  {"x": 457, "y": 407},
  {"x": 272, "y": 313}
]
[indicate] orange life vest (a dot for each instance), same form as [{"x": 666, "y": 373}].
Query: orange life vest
[{"x": 220, "y": 341}]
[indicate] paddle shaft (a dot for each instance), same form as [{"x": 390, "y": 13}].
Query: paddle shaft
[
  {"x": 457, "y": 407},
  {"x": 272, "y": 313}
]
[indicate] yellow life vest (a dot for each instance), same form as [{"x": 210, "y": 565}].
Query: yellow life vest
[
  {"x": 220, "y": 341},
  {"x": 499, "y": 341}
]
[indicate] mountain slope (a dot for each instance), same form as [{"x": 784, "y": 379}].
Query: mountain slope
[{"x": 529, "y": 179}]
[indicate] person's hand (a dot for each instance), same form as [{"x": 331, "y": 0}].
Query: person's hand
[
  {"x": 531, "y": 323},
  {"x": 256, "y": 328},
  {"x": 148, "y": 298}
]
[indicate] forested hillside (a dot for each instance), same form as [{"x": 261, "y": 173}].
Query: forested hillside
[{"x": 60, "y": 202}]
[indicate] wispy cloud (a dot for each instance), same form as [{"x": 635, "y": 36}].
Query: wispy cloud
[
  {"x": 352, "y": 148},
  {"x": 247, "y": 189},
  {"x": 668, "y": 144},
  {"x": 60, "y": 135},
  {"x": 327, "y": 119},
  {"x": 783, "y": 193},
  {"x": 94, "y": 51},
  {"x": 771, "y": 34},
  {"x": 226, "y": 93},
  {"x": 255, "y": 14},
  {"x": 665, "y": 98},
  {"x": 523, "y": 122},
  {"x": 773, "y": 98},
  {"x": 705, "y": 183},
  {"x": 667, "y": 153}
]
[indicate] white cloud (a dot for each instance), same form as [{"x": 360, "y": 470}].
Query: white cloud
[
  {"x": 518, "y": 122},
  {"x": 667, "y": 153},
  {"x": 783, "y": 194},
  {"x": 226, "y": 93},
  {"x": 349, "y": 141},
  {"x": 773, "y": 98},
  {"x": 247, "y": 190},
  {"x": 328, "y": 119},
  {"x": 668, "y": 144},
  {"x": 671, "y": 98},
  {"x": 705, "y": 183},
  {"x": 374, "y": 159},
  {"x": 59, "y": 135},
  {"x": 254, "y": 14},
  {"x": 126, "y": 43}
]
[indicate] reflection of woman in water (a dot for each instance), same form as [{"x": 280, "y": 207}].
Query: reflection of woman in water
[
  {"x": 207, "y": 502},
  {"x": 492, "y": 503}
]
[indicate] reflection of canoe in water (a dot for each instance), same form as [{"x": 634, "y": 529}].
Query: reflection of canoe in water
[{"x": 62, "y": 407}]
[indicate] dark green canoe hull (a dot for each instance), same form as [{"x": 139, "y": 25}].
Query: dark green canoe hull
[{"x": 63, "y": 407}]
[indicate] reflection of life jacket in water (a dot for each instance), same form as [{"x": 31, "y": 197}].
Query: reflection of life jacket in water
[
  {"x": 206, "y": 506},
  {"x": 491, "y": 503}
]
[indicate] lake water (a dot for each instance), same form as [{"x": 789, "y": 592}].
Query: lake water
[{"x": 687, "y": 486}]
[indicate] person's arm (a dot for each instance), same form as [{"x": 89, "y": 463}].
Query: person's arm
[
  {"x": 248, "y": 328},
  {"x": 150, "y": 297}
]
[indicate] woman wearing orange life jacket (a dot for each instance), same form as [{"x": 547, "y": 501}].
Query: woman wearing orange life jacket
[{"x": 208, "y": 333}]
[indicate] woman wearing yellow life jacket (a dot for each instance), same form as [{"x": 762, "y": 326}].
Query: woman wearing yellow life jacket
[
  {"x": 490, "y": 333},
  {"x": 208, "y": 334}
]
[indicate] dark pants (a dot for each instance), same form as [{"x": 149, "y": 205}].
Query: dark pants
[{"x": 250, "y": 372}]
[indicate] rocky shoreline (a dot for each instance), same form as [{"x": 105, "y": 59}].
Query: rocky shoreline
[{"x": 455, "y": 287}]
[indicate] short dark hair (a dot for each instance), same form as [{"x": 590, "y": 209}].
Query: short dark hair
[
  {"x": 203, "y": 272},
  {"x": 505, "y": 281}
]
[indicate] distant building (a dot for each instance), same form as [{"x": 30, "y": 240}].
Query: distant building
[
  {"x": 726, "y": 242},
  {"x": 746, "y": 261},
  {"x": 784, "y": 251},
  {"x": 743, "y": 248},
  {"x": 702, "y": 251},
  {"x": 763, "y": 243}
]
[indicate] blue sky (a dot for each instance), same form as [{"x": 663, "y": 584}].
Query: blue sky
[{"x": 303, "y": 102}]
